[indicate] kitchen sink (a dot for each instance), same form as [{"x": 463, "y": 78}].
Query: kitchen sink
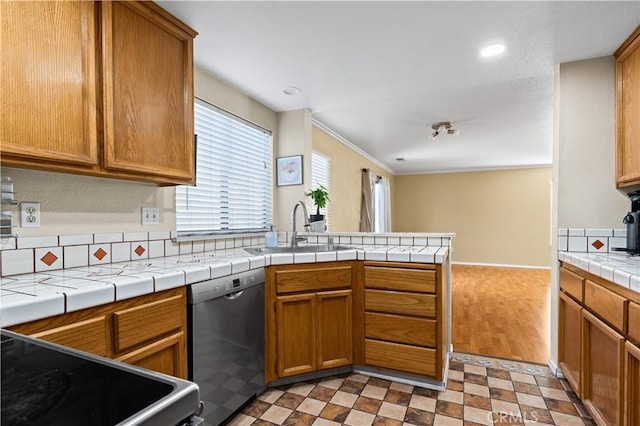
[{"x": 300, "y": 249}]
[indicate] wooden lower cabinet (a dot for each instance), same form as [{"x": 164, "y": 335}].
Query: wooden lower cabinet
[
  {"x": 632, "y": 384},
  {"x": 602, "y": 387},
  {"x": 570, "y": 341},
  {"x": 314, "y": 332},
  {"x": 148, "y": 331}
]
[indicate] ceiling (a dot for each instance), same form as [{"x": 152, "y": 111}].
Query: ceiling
[{"x": 380, "y": 73}]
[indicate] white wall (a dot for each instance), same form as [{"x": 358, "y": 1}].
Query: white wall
[{"x": 585, "y": 195}]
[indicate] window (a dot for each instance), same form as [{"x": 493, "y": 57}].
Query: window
[
  {"x": 233, "y": 191},
  {"x": 381, "y": 205},
  {"x": 321, "y": 175}
]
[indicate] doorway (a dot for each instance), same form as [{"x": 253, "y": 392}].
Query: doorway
[{"x": 501, "y": 312}]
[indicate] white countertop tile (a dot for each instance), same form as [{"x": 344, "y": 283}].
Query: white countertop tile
[
  {"x": 618, "y": 268},
  {"x": 27, "y": 297}
]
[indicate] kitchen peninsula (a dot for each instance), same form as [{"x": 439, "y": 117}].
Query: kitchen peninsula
[{"x": 379, "y": 281}]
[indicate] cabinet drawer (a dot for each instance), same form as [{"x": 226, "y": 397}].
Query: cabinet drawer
[
  {"x": 634, "y": 322},
  {"x": 399, "y": 329},
  {"x": 395, "y": 302},
  {"x": 410, "y": 359},
  {"x": 139, "y": 324},
  {"x": 416, "y": 280},
  {"x": 572, "y": 284},
  {"x": 606, "y": 304},
  {"x": 295, "y": 280},
  {"x": 89, "y": 336}
]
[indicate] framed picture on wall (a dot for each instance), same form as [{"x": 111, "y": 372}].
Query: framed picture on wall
[{"x": 289, "y": 170}]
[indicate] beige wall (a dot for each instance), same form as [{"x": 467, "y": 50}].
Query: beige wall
[
  {"x": 73, "y": 204},
  {"x": 499, "y": 217},
  {"x": 346, "y": 166},
  {"x": 294, "y": 129}
]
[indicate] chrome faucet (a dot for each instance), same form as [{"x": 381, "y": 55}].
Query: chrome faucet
[{"x": 294, "y": 234}]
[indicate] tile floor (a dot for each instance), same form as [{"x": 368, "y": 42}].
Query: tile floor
[{"x": 480, "y": 391}]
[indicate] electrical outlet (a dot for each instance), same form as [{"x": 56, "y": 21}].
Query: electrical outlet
[
  {"x": 29, "y": 215},
  {"x": 150, "y": 216}
]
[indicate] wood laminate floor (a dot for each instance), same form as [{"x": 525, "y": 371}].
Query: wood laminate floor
[{"x": 501, "y": 312}]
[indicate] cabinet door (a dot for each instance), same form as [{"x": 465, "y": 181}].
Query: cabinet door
[
  {"x": 632, "y": 384},
  {"x": 167, "y": 356},
  {"x": 48, "y": 82},
  {"x": 628, "y": 113},
  {"x": 602, "y": 365},
  {"x": 570, "y": 341},
  {"x": 335, "y": 341},
  {"x": 296, "y": 339},
  {"x": 148, "y": 91}
]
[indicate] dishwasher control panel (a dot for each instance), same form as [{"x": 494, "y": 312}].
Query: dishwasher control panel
[{"x": 217, "y": 287}]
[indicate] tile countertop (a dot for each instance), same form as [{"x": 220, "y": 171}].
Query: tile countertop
[
  {"x": 28, "y": 297},
  {"x": 621, "y": 269}
]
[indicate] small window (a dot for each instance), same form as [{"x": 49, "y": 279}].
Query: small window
[
  {"x": 233, "y": 191},
  {"x": 321, "y": 175}
]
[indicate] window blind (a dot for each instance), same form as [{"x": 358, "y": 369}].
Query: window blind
[
  {"x": 233, "y": 191},
  {"x": 321, "y": 175}
]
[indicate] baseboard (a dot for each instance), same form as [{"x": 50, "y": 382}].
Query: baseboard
[
  {"x": 555, "y": 369},
  {"x": 501, "y": 265}
]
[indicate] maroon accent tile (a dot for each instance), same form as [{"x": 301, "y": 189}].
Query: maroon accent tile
[
  {"x": 565, "y": 407},
  {"x": 455, "y": 385},
  {"x": 99, "y": 254},
  {"x": 299, "y": 419},
  {"x": 429, "y": 393},
  {"x": 597, "y": 244},
  {"x": 397, "y": 397},
  {"x": 383, "y": 383},
  {"x": 477, "y": 401},
  {"x": 549, "y": 382},
  {"x": 476, "y": 379},
  {"x": 498, "y": 374},
  {"x": 450, "y": 409},
  {"x": 368, "y": 405},
  {"x": 526, "y": 388},
  {"x": 503, "y": 395},
  {"x": 335, "y": 413},
  {"x": 256, "y": 408},
  {"x": 419, "y": 417},
  {"x": 352, "y": 387},
  {"x": 534, "y": 414},
  {"x": 139, "y": 250},
  {"x": 321, "y": 393},
  {"x": 289, "y": 400},
  {"x": 385, "y": 421},
  {"x": 49, "y": 258}
]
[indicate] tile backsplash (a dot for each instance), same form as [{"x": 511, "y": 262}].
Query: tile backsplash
[
  {"x": 25, "y": 255},
  {"x": 591, "y": 240}
]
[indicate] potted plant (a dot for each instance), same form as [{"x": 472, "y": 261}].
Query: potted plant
[{"x": 320, "y": 196}]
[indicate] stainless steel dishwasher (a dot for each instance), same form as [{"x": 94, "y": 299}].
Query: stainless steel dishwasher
[{"x": 226, "y": 342}]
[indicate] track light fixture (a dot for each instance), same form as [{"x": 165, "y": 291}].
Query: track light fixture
[{"x": 441, "y": 127}]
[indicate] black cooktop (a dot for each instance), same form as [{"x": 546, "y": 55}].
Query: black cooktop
[{"x": 43, "y": 384}]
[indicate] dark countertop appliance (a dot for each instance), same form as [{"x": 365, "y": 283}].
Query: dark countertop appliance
[
  {"x": 48, "y": 384},
  {"x": 632, "y": 220}
]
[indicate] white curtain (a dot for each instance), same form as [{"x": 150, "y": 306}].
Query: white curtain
[
  {"x": 385, "y": 220},
  {"x": 367, "y": 205}
]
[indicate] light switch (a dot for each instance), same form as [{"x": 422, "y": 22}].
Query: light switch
[{"x": 150, "y": 216}]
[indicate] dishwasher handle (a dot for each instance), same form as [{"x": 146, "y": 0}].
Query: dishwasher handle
[{"x": 233, "y": 296}]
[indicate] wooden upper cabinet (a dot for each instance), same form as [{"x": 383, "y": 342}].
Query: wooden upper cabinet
[
  {"x": 49, "y": 81},
  {"x": 147, "y": 91},
  {"x": 97, "y": 88},
  {"x": 628, "y": 111}
]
